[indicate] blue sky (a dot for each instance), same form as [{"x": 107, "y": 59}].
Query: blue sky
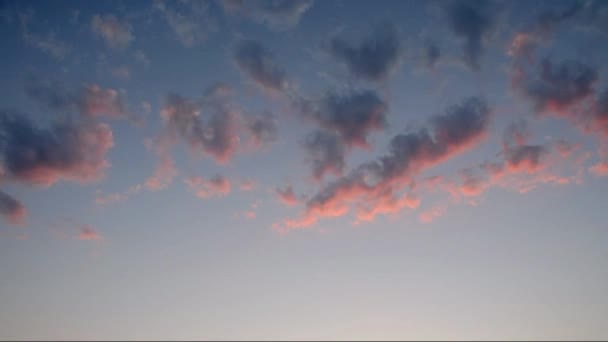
[{"x": 303, "y": 170}]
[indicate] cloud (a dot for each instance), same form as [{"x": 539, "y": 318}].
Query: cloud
[
  {"x": 163, "y": 174},
  {"x": 217, "y": 137},
  {"x": 47, "y": 42},
  {"x": 88, "y": 233},
  {"x": 525, "y": 158},
  {"x": 43, "y": 156},
  {"x": 376, "y": 186},
  {"x": 89, "y": 101},
  {"x": 13, "y": 211},
  {"x": 218, "y": 186},
  {"x": 287, "y": 196},
  {"x": 276, "y": 14},
  {"x": 257, "y": 63},
  {"x": 556, "y": 87},
  {"x": 472, "y": 21},
  {"x": 526, "y": 41},
  {"x": 371, "y": 59},
  {"x": 353, "y": 115},
  {"x": 263, "y": 128},
  {"x": 600, "y": 169},
  {"x": 189, "y": 20},
  {"x": 598, "y": 117},
  {"x": 116, "y": 33},
  {"x": 326, "y": 151},
  {"x": 431, "y": 214},
  {"x": 432, "y": 53},
  {"x": 248, "y": 185}
]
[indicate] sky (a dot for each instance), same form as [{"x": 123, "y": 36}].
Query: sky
[{"x": 303, "y": 169}]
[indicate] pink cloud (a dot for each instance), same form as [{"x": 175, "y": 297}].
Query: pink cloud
[
  {"x": 217, "y": 186},
  {"x": 431, "y": 214},
  {"x": 287, "y": 196},
  {"x": 600, "y": 169},
  {"x": 88, "y": 233}
]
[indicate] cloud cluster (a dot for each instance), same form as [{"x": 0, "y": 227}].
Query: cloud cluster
[
  {"x": 88, "y": 233},
  {"x": 371, "y": 59},
  {"x": 116, "y": 33},
  {"x": 375, "y": 187},
  {"x": 472, "y": 21},
  {"x": 327, "y": 152},
  {"x": 257, "y": 63}
]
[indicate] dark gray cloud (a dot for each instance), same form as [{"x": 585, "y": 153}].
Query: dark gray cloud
[
  {"x": 371, "y": 59},
  {"x": 276, "y": 14},
  {"x": 326, "y": 151},
  {"x": 12, "y": 210},
  {"x": 555, "y": 87},
  {"x": 64, "y": 151},
  {"x": 472, "y": 21},
  {"x": 352, "y": 115},
  {"x": 258, "y": 64}
]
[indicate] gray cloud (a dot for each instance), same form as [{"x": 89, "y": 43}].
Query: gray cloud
[
  {"x": 217, "y": 137},
  {"x": 12, "y": 210},
  {"x": 471, "y": 20},
  {"x": 276, "y": 14},
  {"x": 557, "y": 86},
  {"x": 371, "y": 59},
  {"x": 352, "y": 115},
  {"x": 263, "y": 128},
  {"x": 327, "y": 152},
  {"x": 189, "y": 20},
  {"x": 258, "y": 64}
]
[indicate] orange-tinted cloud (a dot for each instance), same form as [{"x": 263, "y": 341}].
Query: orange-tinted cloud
[{"x": 88, "y": 233}]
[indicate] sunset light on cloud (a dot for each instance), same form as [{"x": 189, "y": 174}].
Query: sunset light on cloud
[{"x": 304, "y": 169}]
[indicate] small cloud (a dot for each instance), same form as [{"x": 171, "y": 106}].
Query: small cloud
[
  {"x": 116, "y": 33},
  {"x": 373, "y": 58},
  {"x": 218, "y": 186},
  {"x": 88, "y": 233},
  {"x": 189, "y": 20},
  {"x": 287, "y": 196},
  {"x": 258, "y": 64},
  {"x": 472, "y": 21},
  {"x": 276, "y": 14},
  {"x": 11, "y": 209}
]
